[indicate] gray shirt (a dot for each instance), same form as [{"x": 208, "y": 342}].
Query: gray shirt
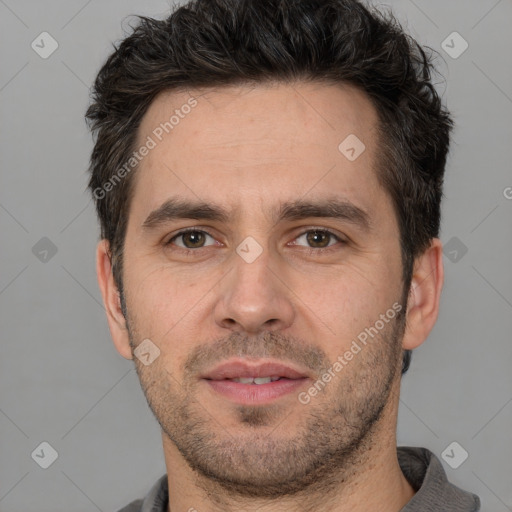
[{"x": 420, "y": 466}]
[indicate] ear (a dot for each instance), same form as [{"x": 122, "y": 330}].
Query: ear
[
  {"x": 424, "y": 295},
  {"x": 112, "y": 300}
]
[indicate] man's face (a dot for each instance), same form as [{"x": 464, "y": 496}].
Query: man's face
[{"x": 267, "y": 283}]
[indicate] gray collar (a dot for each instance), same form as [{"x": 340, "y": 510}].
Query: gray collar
[{"x": 420, "y": 466}]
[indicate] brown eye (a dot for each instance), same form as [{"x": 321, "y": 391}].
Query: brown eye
[
  {"x": 191, "y": 239},
  {"x": 318, "y": 238}
]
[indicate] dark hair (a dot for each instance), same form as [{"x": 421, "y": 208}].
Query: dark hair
[{"x": 211, "y": 43}]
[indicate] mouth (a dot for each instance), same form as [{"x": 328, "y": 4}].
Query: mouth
[{"x": 254, "y": 383}]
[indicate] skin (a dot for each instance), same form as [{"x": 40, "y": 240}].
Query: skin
[{"x": 250, "y": 149}]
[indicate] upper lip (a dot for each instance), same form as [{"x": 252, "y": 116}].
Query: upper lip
[{"x": 246, "y": 369}]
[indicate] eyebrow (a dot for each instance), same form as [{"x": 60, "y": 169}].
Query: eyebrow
[{"x": 177, "y": 208}]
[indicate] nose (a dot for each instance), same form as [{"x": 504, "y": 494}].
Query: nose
[{"x": 252, "y": 298}]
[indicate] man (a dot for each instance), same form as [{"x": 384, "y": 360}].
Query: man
[{"x": 268, "y": 178}]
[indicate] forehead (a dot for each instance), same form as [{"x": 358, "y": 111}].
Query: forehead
[
  {"x": 320, "y": 112},
  {"x": 259, "y": 145}
]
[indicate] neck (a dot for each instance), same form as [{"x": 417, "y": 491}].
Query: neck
[{"x": 371, "y": 480}]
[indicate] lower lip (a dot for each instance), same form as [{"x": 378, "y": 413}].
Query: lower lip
[{"x": 255, "y": 394}]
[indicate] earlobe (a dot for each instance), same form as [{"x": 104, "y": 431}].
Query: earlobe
[
  {"x": 424, "y": 295},
  {"x": 111, "y": 300}
]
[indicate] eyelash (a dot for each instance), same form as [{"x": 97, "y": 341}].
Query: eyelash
[{"x": 309, "y": 250}]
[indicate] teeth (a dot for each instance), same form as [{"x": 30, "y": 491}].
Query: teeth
[
  {"x": 244, "y": 380},
  {"x": 262, "y": 380},
  {"x": 255, "y": 380}
]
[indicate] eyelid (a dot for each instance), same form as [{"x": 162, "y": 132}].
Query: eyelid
[
  {"x": 340, "y": 238},
  {"x": 184, "y": 231}
]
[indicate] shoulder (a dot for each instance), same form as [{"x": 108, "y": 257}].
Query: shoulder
[
  {"x": 134, "y": 506},
  {"x": 434, "y": 493},
  {"x": 156, "y": 500}
]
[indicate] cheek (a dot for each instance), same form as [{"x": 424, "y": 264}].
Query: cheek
[
  {"x": 169, "y": 307},
  {"x": 336, "y": 307},
  {"x": 157, "y": 298}
]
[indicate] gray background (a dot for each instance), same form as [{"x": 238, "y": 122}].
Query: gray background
[{"x": 61, "y": 380}]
